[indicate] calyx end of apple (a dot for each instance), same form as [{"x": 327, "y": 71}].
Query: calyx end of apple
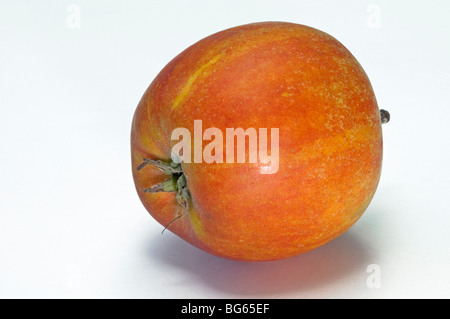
[{"x": 176, "y": 182}]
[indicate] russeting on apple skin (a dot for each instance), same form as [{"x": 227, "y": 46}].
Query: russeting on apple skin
[{"x": 281, "y": 75}]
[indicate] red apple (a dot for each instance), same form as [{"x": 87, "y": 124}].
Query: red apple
[{"x": 291, "y": 77}]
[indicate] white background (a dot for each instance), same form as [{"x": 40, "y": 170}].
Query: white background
[{"x": 71, "y": 224}]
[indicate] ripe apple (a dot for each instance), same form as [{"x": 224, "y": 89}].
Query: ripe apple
[{"x": 281, "y": 75}]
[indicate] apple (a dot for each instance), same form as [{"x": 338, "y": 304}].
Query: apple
[{"x": 270, "y": 75}]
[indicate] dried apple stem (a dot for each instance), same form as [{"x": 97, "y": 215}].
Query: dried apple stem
[{"x": 385, "y": 116}]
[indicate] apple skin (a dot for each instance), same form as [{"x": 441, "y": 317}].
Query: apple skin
[{"x": 270, "y": 75}]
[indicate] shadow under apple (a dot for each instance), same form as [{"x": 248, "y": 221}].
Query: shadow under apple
[{"x": 313, "y": 270}]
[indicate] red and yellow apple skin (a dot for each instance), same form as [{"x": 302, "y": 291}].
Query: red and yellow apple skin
[{"x": 264, "y": 75}]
